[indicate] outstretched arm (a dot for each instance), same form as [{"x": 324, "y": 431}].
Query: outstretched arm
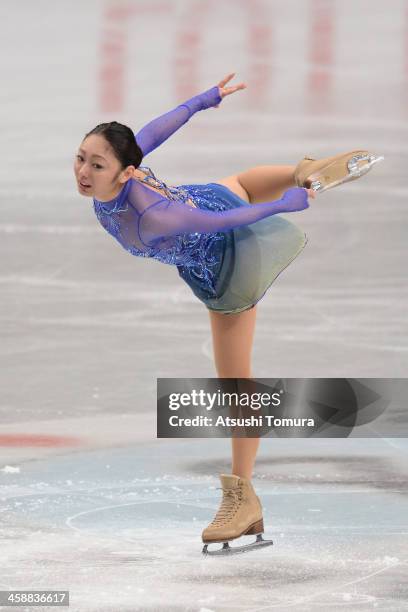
[
  {"x": 158, "y": 130},
  {"x": 173, "y": 218}
]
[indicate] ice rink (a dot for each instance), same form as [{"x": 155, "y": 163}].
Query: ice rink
[{"x": 90, "y": 500}]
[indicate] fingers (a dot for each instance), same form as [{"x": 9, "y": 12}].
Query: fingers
[
  {"x": 229, "y": 90},
  {"x": 236, "y": 87},
  {"x": 312, "y": 193},
  {"x": 226, "y": 91},
  {"x": 226, "y": 79}
]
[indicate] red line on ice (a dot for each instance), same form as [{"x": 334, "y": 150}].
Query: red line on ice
[{"x": 37, "y": 440}]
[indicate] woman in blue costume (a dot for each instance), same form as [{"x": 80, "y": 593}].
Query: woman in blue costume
[{"x": 226, "y": 240}]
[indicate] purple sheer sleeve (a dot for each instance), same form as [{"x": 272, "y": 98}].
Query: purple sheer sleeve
[
  {"x": 168, "y": 218},
  {"x": 158, "y": 130}
]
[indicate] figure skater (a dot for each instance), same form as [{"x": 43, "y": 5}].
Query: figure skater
[{"x": 226, "y": 240}]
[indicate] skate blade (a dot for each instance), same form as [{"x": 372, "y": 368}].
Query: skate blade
[
  {"x": 354, "y": 172},
  {"x": 228, "y": 550}
]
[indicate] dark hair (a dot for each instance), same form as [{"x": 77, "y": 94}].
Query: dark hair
[{"x": 123, "y": 142}]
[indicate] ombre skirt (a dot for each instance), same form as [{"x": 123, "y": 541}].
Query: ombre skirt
[{"x": 246, "y": 260}]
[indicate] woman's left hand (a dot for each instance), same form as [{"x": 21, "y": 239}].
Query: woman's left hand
[
  {"x": 226, "y": 91},
  {"x": 311, "y": 193}
]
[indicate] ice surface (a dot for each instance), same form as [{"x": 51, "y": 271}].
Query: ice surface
[{"x": 124, "y": 528}]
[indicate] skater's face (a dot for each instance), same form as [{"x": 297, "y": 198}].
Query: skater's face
[{"x": 98, "y": 171}]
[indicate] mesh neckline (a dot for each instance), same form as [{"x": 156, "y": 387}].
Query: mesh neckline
[
  {"x": 173, "y": 193},
  {"x": 117, "y": 201}
]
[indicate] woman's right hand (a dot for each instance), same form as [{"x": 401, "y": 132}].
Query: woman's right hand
[{"x": 296, "y": 198}]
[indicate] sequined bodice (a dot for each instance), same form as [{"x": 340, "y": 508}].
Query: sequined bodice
[{"x": 200, "y": 253}]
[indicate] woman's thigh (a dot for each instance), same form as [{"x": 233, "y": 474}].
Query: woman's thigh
[
  {"x": 233, "y": 336},
  {"x": 235, "y": 186}
]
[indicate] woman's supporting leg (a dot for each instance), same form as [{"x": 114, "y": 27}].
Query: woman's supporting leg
[
  {"x": 232, "y": 345},
  {"x": 261, "y": 183},
  {"x": 233, "y": 334},
  {"x": 243, "y": 456}
]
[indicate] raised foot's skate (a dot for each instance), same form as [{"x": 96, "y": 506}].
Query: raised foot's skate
[
  {"x": 329, "y": 172},
  {"x": 240, "y": 514}
]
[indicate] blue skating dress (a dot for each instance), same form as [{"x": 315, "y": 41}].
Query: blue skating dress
[{"x": 229, "y": 252}]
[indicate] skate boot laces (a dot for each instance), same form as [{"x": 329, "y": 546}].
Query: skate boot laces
[{"x": 230, "y": 503}]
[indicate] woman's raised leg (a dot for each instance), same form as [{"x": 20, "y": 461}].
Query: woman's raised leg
[
  {"x": 261, "y": 183},
  {"x": 233, "y": 336}
]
